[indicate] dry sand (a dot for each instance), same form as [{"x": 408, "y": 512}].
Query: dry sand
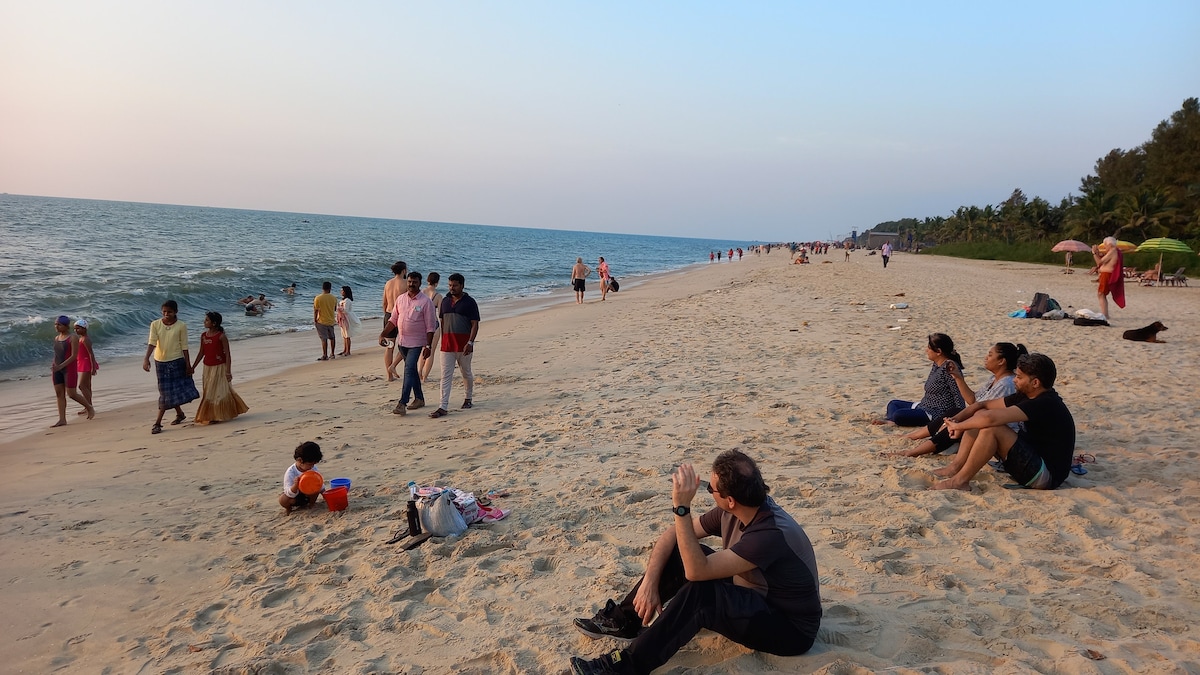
[{"x": 130, "y": 553}]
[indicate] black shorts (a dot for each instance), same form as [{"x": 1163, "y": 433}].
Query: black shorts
[
  {"x": 1026, "y": 467},
  {"x": 578, "y": 284}
]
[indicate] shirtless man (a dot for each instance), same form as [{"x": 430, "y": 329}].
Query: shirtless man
[
  {"x": 578, "y": 273},
  {"x": 1110, "y": 265},
  {"x": 391, "y": 290}
]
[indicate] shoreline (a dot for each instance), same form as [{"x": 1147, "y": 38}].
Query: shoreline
[
  {"x": 138, "y": 553},
  {"x": 28, "y": 398}
]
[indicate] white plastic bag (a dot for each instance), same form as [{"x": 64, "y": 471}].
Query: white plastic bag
[
  {"x": 440, "y": 517},
  {"x": 467, "y": 506}
]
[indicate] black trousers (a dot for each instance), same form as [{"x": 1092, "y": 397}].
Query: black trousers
[{"x": 737, "y": 612}]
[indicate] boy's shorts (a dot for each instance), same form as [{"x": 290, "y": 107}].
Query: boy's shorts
[
  {"x": 1026, "y": 467},
  {"x": 300, "y": 498}
]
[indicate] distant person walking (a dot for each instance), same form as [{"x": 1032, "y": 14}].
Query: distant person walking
[
  {"x": 417, "y": 321},
  {"x": 459, "y": 315},
  {"x": 168, "y": 343},
  {"x": 86, "y": 365},
  {"x": 219, "y": 402},
  {"x": 324, "y": 319},
  {"x": 579, "y": 273},
  {"x": 393, "y": 289},
  {"x": 711, "y": 256},
  {"x": 602, "y": 270},
  {"x": 885, "y": 253},
  {"x": 425, "y": 365},
  {"x": 63, "y": 371},
  {"x": 346, "y": 319}
]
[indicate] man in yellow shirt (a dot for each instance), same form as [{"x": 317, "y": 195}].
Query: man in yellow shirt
[
  {"x": 168, "y": 342},
  {"x": 324, "y": 310}
]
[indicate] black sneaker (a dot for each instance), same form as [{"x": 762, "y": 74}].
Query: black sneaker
[
  {"x": 608, "y": 664},
  {"x": 609, "y": 622}
]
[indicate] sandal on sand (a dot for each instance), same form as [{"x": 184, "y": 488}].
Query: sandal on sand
[
  {"x": 440, "y": 412},
  {"x": 156, "y": 429},
  {"x": 178, "y": 420},
  {"x": 467, "y": 404}
]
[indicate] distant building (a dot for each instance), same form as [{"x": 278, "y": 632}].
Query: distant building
[{"x": 876, "y": 239}]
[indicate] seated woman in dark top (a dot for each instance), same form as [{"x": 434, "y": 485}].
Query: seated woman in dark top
[{"x": 945, "y": 388}]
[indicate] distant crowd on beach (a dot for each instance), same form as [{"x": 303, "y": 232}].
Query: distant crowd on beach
[{"x": 422, "y": 329}]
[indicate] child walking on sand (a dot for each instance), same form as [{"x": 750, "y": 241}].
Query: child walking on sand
[
  {"x": 307, "y": 456},
  {"x": 219, "y": 402},
  {"x": 87, "y": 365}
]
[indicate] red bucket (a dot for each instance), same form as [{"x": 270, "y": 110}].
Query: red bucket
[{"x": 336, "y": 498}]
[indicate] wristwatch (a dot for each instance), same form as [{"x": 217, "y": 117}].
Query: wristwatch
[{"x": 681, "y": 511}]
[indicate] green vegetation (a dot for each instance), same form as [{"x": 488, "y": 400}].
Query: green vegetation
[
  {"x": 1152, "y": 190},
  {"x": 1034, "y": 252}
]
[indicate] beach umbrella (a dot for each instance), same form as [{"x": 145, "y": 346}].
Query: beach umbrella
[
  {"x": 1124, "y": 246},
  {"x": 1164, "y": 245},
  {"x": 1070, "y": 245}
]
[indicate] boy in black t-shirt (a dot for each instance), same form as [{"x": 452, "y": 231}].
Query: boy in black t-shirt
[{"x": 1039, "y": 457}]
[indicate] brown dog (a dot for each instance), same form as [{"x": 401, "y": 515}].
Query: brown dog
[{"x": 1147, "y": 334}]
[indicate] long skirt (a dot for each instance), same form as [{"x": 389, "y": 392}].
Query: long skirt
[
  {"x": 220, "y": 402},
  {"x": 175, "y": 386}
]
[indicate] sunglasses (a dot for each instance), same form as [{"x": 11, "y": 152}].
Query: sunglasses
[{"x": 708, "y": 486}]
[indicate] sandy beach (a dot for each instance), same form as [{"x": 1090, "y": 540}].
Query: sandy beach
[{"x": 125, "y": 552}]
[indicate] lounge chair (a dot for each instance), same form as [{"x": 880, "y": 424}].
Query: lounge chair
[
  {"x": 1151, "y": 277},
  {"x": 1131, "y": 273},
  {"x": 1177, "y": 279}
]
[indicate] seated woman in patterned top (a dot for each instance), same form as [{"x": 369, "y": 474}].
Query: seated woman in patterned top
[{"x": 946, "y": 392}]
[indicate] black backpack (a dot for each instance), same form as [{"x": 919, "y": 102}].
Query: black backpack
[
  {"x": 1039, "y": 306},
  {"x": 613, "y": 285}
]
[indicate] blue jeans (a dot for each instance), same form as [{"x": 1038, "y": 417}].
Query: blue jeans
[
  {"x": 412, "y": 378},
  {"x": 905, "y": 415},
  {"x": 738, "y": 613}
]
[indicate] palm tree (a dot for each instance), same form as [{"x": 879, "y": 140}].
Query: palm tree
[
  {"x": 988, "y": 217},
  {"x": 1093, "y": 215},
  {"x": 1149, "y": 212}
]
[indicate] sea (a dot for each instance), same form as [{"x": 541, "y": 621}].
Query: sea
[{"x": 114, "y": 263}]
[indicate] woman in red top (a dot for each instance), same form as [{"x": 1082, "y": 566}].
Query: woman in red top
[{"x": 220, "y": 402}]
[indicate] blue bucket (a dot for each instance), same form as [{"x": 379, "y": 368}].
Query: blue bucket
[{"x": 340, "y": 482}]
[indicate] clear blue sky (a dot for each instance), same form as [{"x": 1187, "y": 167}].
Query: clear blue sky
[{"x": 769, "y": 120}]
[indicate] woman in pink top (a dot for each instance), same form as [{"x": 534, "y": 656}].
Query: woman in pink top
[
  {"x": 86, "y": 363},
  {"x": 602, "y": 268}
]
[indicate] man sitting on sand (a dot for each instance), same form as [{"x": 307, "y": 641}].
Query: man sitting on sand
[
  {"x": 760, "y": 591},
  {"x": 1039, "y": 457}
]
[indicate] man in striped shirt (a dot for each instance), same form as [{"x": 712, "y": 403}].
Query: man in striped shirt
[{"x": 459, "y": 315}]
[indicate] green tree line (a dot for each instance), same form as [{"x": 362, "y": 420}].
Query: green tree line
[{"x": 1152, "y": 190}]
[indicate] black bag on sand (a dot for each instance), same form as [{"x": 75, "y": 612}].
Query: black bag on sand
[
  {"x": 1084, "y": 321},
  {"x": 613, "y": 285},
  {"x": 1039, "y": 306}
]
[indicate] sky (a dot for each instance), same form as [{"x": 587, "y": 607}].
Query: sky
[{"x": 772, "y": 121}]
